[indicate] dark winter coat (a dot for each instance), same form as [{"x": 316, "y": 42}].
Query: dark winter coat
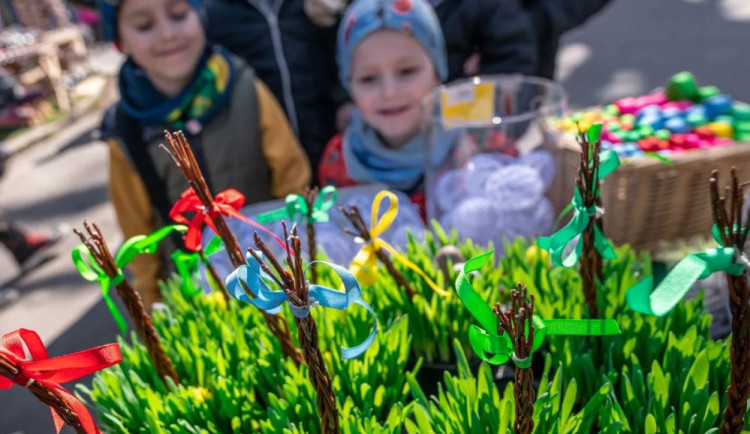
[
  {"x": 497, "y": 29},
  {"x": 291, "y": 55},
  {"x": 550, "y": 19}
]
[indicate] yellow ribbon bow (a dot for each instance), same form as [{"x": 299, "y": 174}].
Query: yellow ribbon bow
[{"x": 364, "y": 266}]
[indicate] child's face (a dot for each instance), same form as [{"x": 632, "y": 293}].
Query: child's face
[
  {"x": 165, "y": 38},
  {"x": 391, "y": 73}
]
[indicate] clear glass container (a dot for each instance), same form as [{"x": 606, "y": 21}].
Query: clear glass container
[{"x": 490, "y": 157}]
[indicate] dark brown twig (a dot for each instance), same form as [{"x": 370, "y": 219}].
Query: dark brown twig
[
  {"x": 447, "y": 257},
  {"x": 354, "y": 216},
  {"x": 734, "y": 234},
  {"x": 214, "y": 275},
  {"x": 144, "y": 328},
  {"x": 587, "y": 183},
  {"x": 296, "y": 288},
  {"x": 183, "y": 157},
  {"x": 514, "y": 323},
  {"x": 8, "y": 369},
  {"x": 310, "y": 196}
]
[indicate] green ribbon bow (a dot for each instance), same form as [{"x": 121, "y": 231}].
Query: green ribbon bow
[
  {"x": 148, "y": 244},
  {"x": 557, "y": 243},
  {"x": 296, "y": 208},
  {"x": 695, "y": 266},
  {"x": 497, "y": 348},
  {"x": 187, "y": 266},
  {"x": 89, "y": 270}
]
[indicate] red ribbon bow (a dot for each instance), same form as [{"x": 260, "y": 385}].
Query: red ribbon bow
[
  {"x": 226, "y": 203},
  {"x": 52, "y": 372}
]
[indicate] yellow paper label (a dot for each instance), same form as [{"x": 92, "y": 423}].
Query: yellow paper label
[{"x": 467, "y": 103}]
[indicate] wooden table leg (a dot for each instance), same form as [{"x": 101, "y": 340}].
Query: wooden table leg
[{"x": 50, "y": 63}]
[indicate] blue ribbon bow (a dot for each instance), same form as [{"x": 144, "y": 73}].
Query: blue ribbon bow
[{"x": 271, "y": 301}]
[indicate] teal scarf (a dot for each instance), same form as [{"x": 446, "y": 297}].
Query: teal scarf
[
  {"x": 194, "y": 107},
  {"x": 369, "y": 160}
]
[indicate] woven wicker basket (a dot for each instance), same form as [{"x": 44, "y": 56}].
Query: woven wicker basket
[{"x": 648, "y": 204}]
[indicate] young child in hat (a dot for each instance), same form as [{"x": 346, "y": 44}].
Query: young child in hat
[
  {"x": 172, "y": 80},
  {"x": 391, "y": 54}
]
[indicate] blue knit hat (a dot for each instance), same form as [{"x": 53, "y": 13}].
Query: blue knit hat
[
  {"x": 415, "y": 17},
  {"x": 108, "y": 12}
]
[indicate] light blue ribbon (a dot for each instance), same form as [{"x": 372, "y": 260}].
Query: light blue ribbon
[{"x": 271, "y": 301}]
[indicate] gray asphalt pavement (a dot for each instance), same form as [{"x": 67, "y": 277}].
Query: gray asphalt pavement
[{"x": 632, "y": 47}]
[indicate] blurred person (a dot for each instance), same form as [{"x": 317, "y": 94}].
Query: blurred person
[
  {"x": 391, "y": 54},
  {"x": 481, "y": 36},
  {"x": 173, "y": 79},
  {"x": 494, "y": 34},
  {"x": 498, "y": 36},
  {"x": 550, "y": 20},
  {"x": 291, "y": 54}
]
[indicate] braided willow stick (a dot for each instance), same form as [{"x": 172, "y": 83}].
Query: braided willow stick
[
  {"x": 185, "y": 160},
  {"x": 310, "y": 195},
  {"x": 9, "y": 370},
  {"x": 588, "y": 184},
  {"x": 97, "y": 246},
  {"x": 514, "y": 322},
  {"x": 296, "y": 288},
  {"x": 734, "y": 234},
  {"x": 354, "y": 216}
]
